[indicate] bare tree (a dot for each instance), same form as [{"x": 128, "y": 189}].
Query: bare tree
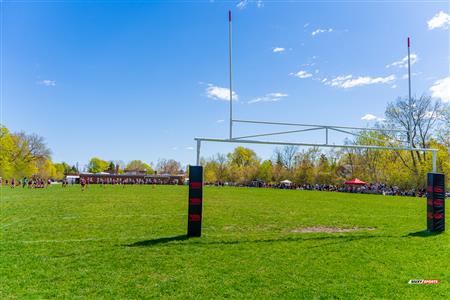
[
  {"x": 417, "y": 118},
  {"x": 286, "y": 156},
  {"x": 169, "y": 166},
  {"x": 444, "y": 129},
  {"x": 221, "y": 160},
  {"x": 30, "y": 147}
]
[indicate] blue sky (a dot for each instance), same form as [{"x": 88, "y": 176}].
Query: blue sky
[{"x": 140, "y": 80}]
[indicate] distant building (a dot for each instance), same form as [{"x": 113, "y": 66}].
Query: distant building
[{"x": 131, "y": 178}]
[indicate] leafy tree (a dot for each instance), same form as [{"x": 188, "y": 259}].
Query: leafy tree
[
  {"x": 97, "y": 165},
  {"x": 304, "y": 173},
  {"x": 243, "y": 157},
  {"x": 7, "y": 149},
  {"x": 31, "y": 147},
  {"x": 111, "y": 168},
  {"x": 323, "y": 174},
  {"x": 61, "y": 169},
  {"x": 139, "y": 166},
  {"x": 265, "y": 171},
  {"x": 45, "y": 169},
  {"x": 210, "y": 171}
]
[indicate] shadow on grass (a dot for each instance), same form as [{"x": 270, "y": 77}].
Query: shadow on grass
[
  {"x": 424, "y": 233},
  {"x": 164, "y": 240},
  {"x": 335, "y": 239}
]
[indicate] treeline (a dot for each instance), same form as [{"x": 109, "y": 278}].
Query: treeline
[
  {"x": 27, "y": 155},
  {"x": 163, "y": 166},
  {"x": 424, "y": 124}
]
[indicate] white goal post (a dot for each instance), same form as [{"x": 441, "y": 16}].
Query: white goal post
[{"x": 327, "y": 130}]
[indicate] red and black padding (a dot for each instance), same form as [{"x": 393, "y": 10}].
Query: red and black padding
[
  {"x": 436, "y": 202},
  {"x": 195, "y": 201}
]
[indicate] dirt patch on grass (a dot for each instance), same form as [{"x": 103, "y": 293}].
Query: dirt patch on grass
[{"x": 329, "y": 229}]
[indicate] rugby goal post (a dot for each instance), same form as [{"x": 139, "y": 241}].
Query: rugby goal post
[{"x": 436, "y": 181}]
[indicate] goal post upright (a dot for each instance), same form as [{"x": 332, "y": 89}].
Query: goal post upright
[{"x": 231, "y": 72}]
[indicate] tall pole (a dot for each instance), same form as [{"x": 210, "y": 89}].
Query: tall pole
[
  {"x": 231, "y": 84},
  {"x": 409, "y": 70},
  {"x": 409, "y": 92}
]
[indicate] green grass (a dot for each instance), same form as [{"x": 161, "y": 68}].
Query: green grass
[{"x": 129, "y": 243}]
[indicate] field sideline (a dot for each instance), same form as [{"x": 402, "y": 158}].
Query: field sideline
[{"x": 117, "y": 242}]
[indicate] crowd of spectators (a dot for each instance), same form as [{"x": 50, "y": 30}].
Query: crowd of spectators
[
  {"x": 376, "y": 188},
  {"x": 371, "y": 188}
]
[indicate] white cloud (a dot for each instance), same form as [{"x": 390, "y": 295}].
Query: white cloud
[
  {"x": 440, "y": 20},
  {"x": 278, "y": 49},
  {"x": 309, "y": 65},
  {"x": 189, "y": 148},
  {"x": 220, "y": 121},
  {"x": 47, "y": 82},
  {"x": 369, "y": 117},
  {"x": 306, "y": 25},
  {"x": 441, "y": 89},
  {"x": 349, "y": 81},
  {"x": 219, "y": 93},
  {"x": 271, "y": 97},
  {"x": 394, "y": 86},
  {"x": 242, "y": 4},
  {"x": 175, "y": 148},
  {"x": 302, "y": 74},
  {"x": 403, "y": 63},
  {"x": 317, "y": 31}
]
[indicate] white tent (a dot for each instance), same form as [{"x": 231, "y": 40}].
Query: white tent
[{"x": 286, "y": 182}]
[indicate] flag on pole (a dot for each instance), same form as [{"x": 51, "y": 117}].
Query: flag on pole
[
  {"x": 229, "y": 16},
  {"x": 409, "y": 43}
]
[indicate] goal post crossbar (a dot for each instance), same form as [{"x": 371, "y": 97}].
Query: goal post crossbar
[
  {"x": 320, "y": 126},
  {"x": 199, "y": 140}
]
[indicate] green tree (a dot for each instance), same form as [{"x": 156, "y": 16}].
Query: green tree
[
  {"x": 243, "y": 157},
  {"x": 210, "y": 171},
  {"x": 61, "y": 169},
  {"x": 305, "y": 170},
  {"x": 45, "y": 169},
  {"x": 265, "y": 171},
  {"x": 97, "y": 165},
  {"x": 7, "y": 149},
  {"x": 139, "y": 166},
  {"x": 323, "y": 175}
]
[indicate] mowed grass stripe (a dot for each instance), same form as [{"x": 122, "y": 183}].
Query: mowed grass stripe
[{"x": 116, "y": 242}]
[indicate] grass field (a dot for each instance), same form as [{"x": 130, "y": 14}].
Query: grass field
[{"x": 129, "y": 243}]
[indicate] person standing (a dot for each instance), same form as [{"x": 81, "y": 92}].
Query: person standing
[{"x": 83, "y": 184}]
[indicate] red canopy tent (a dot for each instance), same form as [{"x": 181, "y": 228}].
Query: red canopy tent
[{"x": 355, "y": 181}]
